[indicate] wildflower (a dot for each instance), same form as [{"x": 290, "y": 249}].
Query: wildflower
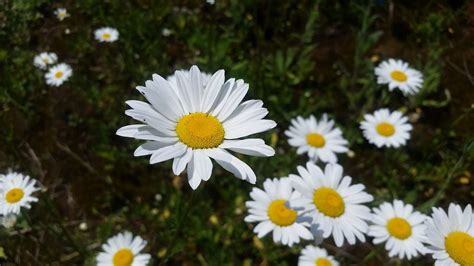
[
  {"x": 123, "y": 250},
  {"x": 61, "y": 13},
  {"x": 314, "y": 256},
  {"x": 16, "y": 192},
  {"x": 397, "y": 74},
  {"x": 43, "y": 60},
  {"x": 106, "y": 34},
  {"x": 58, "y": 74}
]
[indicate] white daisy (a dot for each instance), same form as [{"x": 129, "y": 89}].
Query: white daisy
[
  {"x": 400, "y": 227},
  {"x": 332, "y": 202},
  {"x": 318, "y": 139},
  {"x": 397, "y": 74},
  {"x": 172, "y": 79},
  {"x": 61, "y": 13},
  {"x": 15, "y": 192},
  {"x": 8, "y": 221},
  {"x": 106, "y": 34},
  {"x": 314, "y": 256},
  {"x": 58, "y": 74},
  {"x": 451, "y": 236},
  {"x": 269, "y": 208},
  {"x": 123, "y": 250},
  {"x": 386, "y": 129},
  {"x": 44, "y": 59},
  {"x": 193, "y": 123}
]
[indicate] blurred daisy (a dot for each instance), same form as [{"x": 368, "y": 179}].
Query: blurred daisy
[
  {"x": 314, "y": 256},
  {"x": 400, "y": 227},
  {"x": 386, "y": 129},
  {"x": 269, "y": 208},
  {"x": 318, "y": 139},
  {"x": 123, "y": 250},
  {"x": 397, "y": 74},
  {"x": 58, "y": 74},
  {"x": 332, "y": 202},
  {"x": 15, "y": 193},
  {"x": 106, "y": 34},
  {"x": 451, "y": 236},
  {"x": 44, "y": 59},
  {"x": 172, "y": 79},
  {"x": 192, "y": 123},
  {"x": 8, "y": 221},
  {"x": 61, "y": 13}
]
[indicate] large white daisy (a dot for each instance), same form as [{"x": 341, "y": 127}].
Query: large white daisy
[
  {"x": 16, "y": 192},
  {"x": 397, "y": 74},
  {"x": 106, "y": 34},
  {"x": 314, "y": 256},
  {"x": 385, "y": 128},
  {"x": 269, "y": 208},
  {"x": 58, "y": 74},
  {"x": 123, "y": 250},
  {"x": 451, "y": 236},
  {"x": 333, "y": 203},
  {"x": 44, "y": 59},
  {"x": 400, "y": 227},
  {"x": 320, "y": 139},
  {"x": 193, "y": 123}
]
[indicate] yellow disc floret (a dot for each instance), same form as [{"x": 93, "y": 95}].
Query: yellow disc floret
[
  {"x": 399, "y": 228},
  {"x": 14, "y": 195},
  {"x": 398, "y": 76},
  {"x": 322, "y": 262},
  {"x": 460, "y": 247},
  {"x": 59, "y": 74},
  {"x": 316, "y": 140},
  {"x": 200, "y": 131},
  {"x": 385, "y": 129},
  {"x": 329, "y": 202},
  {"x": 106, "y": 36},
  {"x": 281, "y": 215},
  {"x": 123, "y": 257}
]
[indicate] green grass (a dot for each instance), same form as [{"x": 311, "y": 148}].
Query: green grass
[{"x": 300, "y": 57}]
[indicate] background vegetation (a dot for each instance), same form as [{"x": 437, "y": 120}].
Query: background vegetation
[{"x": 300, "y": 57}]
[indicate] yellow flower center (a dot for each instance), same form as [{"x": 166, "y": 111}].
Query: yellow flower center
[
  {"x": 123, "y": 257},
  {"x": 281, "y": 215},
  {"x": 460, "y": 247},
  {"x": 200, "y": 131},
  {"x": 329, "y": 202},
  {"x": 106, "y": 36},
  {"x": 316, "y": 140},
  {"x": 385, "y": 129},
  {"x": 399, "y": 228},
  {"x": 14, "y": 195},
  {"x": 398, "y": 76},
  {"x": 322, "y": 262},
  {"x": 59, "y": 74}
]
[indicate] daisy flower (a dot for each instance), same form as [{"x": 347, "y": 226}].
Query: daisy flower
[
  {"x": 397, "y": 74},
  {"x": 269, "y": 208},
  {"x": 451, "y": 236},
  {"x": 61, "y": 13},
  {"x": 332, "y": 202},
  {"x": 385, "y": 128},
  {"x": 15, "y": 193},
  {"x": 192, "y": 123},
  {"x": 123, "y": 250},
  {"x": 320, "y": 139},
  {"x": 106, "y": 34},
  {"x": 44, "y": 59},
  {"x": 58, "y": 74},
  {"x": 314, "y": 256},
  {"x": 400, "y": 227}
]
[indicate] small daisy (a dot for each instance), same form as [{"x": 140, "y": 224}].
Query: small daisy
[
  {"x": 58, "y": 74},
  {"x": 386, "y": 129},
  {"x": 44, "y": 59},
  {"x": 314, "y": 256},
  {"x": 123, "y": 250},
  {"x": 397, "y": 74},
  {"x": 106, "y": 34},
  {"x": 192, "y": 123},
  {"x": 451, "y": 236},
  {"x": 332, "y": 202},
  {"x": 318, "y": 139},
  {"x": 269, "y": 208},
  {"x": 8, "y": 221},
  {"x": 15, "y": 192},
  {"x": 61, "y": 13},
  {"x": 400, "y": 227}
]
